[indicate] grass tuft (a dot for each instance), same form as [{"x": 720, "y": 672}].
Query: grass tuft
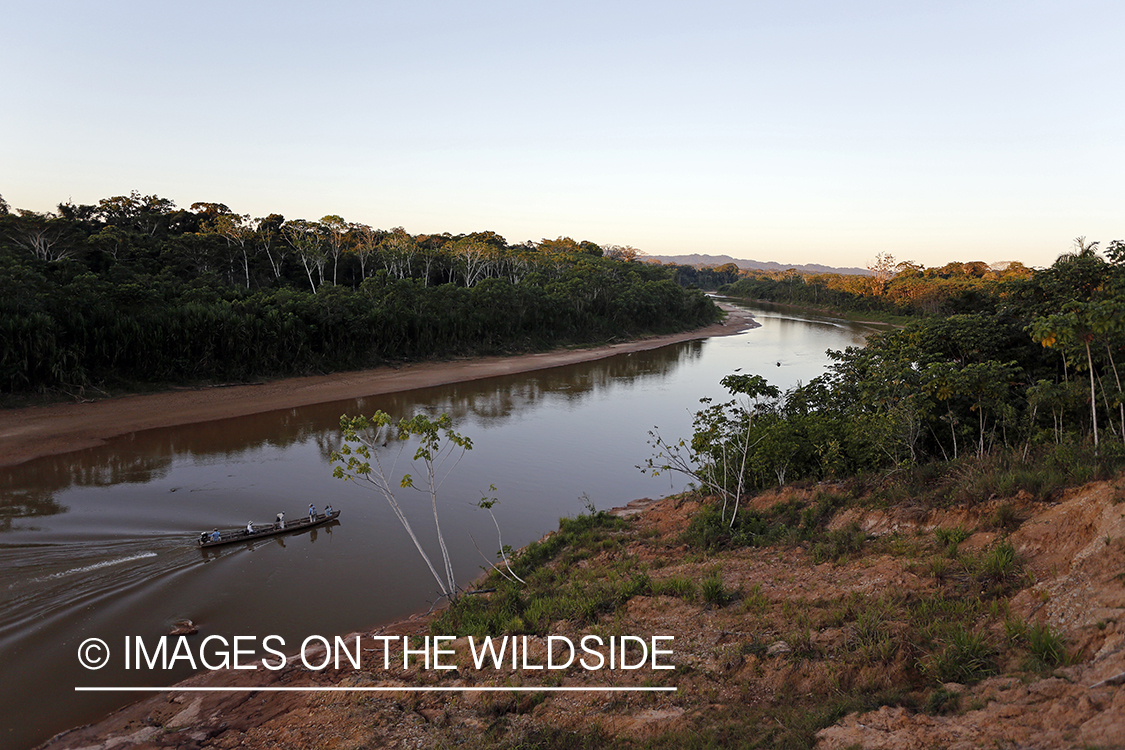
[
  {"x": 967, "y": 657},
  {"x": 950, "y": 539},
  {"x": 714, "y": 592},
  {"x": 1047, "y": 648}
]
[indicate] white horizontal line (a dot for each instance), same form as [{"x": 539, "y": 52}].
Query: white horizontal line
[{"x": 379, "y": 689}]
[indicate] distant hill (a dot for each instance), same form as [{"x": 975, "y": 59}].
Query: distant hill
[{"x": 757, "y": 265}]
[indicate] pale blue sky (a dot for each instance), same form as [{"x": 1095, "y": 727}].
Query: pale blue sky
[{"x": 803, "y": 132}]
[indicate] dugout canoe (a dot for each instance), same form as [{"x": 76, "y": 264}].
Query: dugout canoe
[{"x": 229, "y": 536}]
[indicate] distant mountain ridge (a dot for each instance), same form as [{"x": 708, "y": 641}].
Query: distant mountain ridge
[{"x": 696, "y": 259}]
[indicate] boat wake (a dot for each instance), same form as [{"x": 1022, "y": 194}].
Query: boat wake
[
  {"x": 62, "y": 580},
  {"x": 94, "y": 566}
]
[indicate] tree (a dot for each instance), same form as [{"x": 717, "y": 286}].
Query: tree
[
  {"x": 1083, "y": 249},
  {"x": 399, "y": 249},
  {"x": 724, "y": 441},
  {"x": 366, "y": 242},
  {"x": 361, "y": 459},
  {"x": 626, "y": 253},
  {"x": 304, "y": 237},
  {"x": 72, "y": 212},
  {"x": 1107, "y": 320},
  {"x": 111, "y": 240},
  {"x": 1075, "y": 326},
  {"x": 517, "y": 261},
  {"x": 238, "y": 231},
  {"x": 208, "y": 212},
  {"x": 908, "y": 269},
  {"x": 987, "y": 384},
  {"x": 488, "y": 503},
  {"x": 942, "y": 380},
  {"x": 335, "y": 229},
  {"x": 976, "y": 269},
  {"x": 475, "y": 258},
  {"x": 560, "y": 246},
  {"x": 42, "y": 235},
  {"x": 882, "y": 271},
  {"x": 1115, "y": 252},
  {"x": 266, "y": 233},
  {"x": 1058, "y": 397},
  {"x": 144, "y": 213}
]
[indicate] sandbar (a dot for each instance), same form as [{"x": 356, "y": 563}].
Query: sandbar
[{"x": 31, "y": 432}]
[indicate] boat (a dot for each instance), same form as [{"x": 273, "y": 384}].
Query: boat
[{"x": 229, "y": 536}]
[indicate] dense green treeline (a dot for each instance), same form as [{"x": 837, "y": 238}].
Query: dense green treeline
[
  {"x": 1033, "y": 374},
  {"x": 894, "y": 288},
  {"x": 134, "y": 290},
  {"x": 705, "y": 277}
]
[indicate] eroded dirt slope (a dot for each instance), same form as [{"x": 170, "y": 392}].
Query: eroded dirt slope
[{"x": 839, "y": 641}]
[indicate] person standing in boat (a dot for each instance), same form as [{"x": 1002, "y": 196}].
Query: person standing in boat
[
  {"x": 312, "y": 512},
  {"x": 249, "y": 527},
  {"x": 280, "y": 521}
]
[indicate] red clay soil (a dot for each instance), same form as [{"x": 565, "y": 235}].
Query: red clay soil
[{"x": 1073, "y": 549}]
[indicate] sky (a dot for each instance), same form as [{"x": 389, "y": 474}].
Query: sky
[{"x": 798, "y": 131}]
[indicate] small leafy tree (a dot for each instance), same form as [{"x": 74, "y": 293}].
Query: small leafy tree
[
  {"x": 487, "y": 503},
  {"x": 1073, "y": 330},
  {"x": 360, "y": 459},
  {"x": 723, "y": 446},
  {"x": 987, "y": 384}
]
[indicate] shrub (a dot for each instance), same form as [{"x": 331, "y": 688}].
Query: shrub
[
  {"x": 1004, "y": 518},
  {"x": 950, "y": 539},
  {"x": 999, "y": 569},
  {"x": 942, "y": 701},
  {"x": 967, "y": 657},
  {"x": 713, "y": 590},
  {"x": 681, "y": 587},
  {"x": 839, "y": 544},
  {"x": 1046, "y": 646},
  {"x": 785, "y": 523}
]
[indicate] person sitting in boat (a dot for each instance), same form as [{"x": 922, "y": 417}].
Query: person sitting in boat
[
  {"x": 327, "y": 510},
  {"x": 280, "y": 520},
  {"x": 216, "y": 536},
  {"x": 312, "y": 511}
]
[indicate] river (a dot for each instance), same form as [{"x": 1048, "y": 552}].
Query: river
[{"x": 99, "y": 543}]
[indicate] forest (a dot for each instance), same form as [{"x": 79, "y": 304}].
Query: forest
[
  {"x": 1016, "y": 371},
  {"x": 134, "y": 291},
  {"x": 895, "y": 288}
]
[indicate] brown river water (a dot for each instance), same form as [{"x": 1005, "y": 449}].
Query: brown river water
[{"x": 100, "y": 543}]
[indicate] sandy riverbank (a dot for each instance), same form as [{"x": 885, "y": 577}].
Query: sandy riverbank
[{"x": 32, "y": 432}]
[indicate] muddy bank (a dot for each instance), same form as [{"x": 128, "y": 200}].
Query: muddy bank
[{"x": 32, "y": 432}]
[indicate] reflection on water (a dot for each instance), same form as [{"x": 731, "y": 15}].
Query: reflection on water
[
  {"x": 27, "y": 502},
  {"x": 100, "y": 542},
  {"x": 140, "y": 458}
]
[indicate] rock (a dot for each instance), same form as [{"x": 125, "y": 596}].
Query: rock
[
  {"x": 829, "y": 639},
  {"x": 433, "y": 715},
  {"x": 183, "y": 627},
  {"x": 780, "y": 647}
]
